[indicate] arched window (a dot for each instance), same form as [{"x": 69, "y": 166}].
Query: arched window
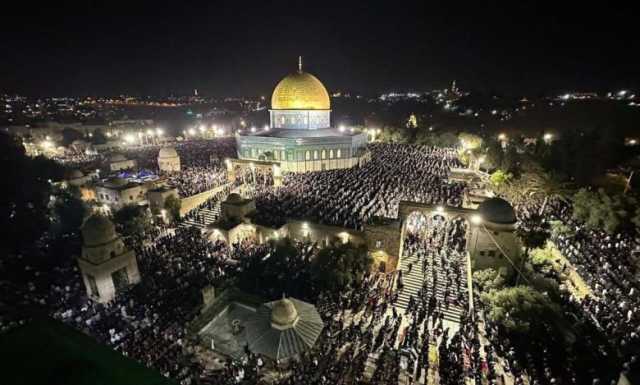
[
  {"x": 331, "y": 154},
  {"x": 307, "y": 155},
  {"x": 324, "y": 154},
  {"x": 315, "y": 154},
  {"x": 338, "y": 154}
]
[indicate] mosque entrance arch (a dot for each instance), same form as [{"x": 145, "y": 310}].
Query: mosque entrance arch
[
  {"x": 412, "y": 215},
  {"x": 433, "y": 262}
]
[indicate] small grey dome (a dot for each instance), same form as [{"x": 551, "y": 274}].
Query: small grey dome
[
  {"x": 234, "y": 198},
  {"x": 98, "y": 230},
  {"x": 497, "y": 210},
  {"x": 283, "y": 313},
  {"x": 76, "y": 174}
]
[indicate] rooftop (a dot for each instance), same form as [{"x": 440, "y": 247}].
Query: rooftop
[{"x": 319, "y": 133}]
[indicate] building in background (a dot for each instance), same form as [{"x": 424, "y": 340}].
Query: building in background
[{"x": 300, "y": 137}]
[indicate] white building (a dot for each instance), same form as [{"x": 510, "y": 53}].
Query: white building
[{"x": 168, "y": 159}]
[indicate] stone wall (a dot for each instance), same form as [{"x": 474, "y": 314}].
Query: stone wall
[{"x": 189, "y": 203}]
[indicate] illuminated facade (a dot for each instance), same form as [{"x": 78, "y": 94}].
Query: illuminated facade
[{"x": 300, "y": 136}]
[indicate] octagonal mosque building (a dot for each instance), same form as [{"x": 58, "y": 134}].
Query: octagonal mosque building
[{"x": 300, "y": 137}]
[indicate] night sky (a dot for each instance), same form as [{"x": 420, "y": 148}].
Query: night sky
[{"x": 240, "y": 48}]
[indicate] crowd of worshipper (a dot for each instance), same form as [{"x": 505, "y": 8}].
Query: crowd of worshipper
[
  {"x": 202, "y": 163},
  {"x": 196, "y": 179},
  {"x": 608, "y": 264},
  {"x": 352, "y": 197}
]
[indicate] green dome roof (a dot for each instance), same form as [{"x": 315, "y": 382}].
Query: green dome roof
[{"x": 497, "y": 210}]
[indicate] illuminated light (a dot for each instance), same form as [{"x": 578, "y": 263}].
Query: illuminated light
[
  {"x": 192, "y": 131},
  {"x": 547, "y": 137},
  {"x": 633, "y": 142},
  {"x": 440, "y": 209},
  {"x": 493, "y": 112},
  {"x": 305, "y": 225},
  {"x": 108, "y": 134},
  {"x": 48, "y": 137},
  {"x": 149, "y": 132},
  {"x": 481, "y": 159},
  {"x": 352, "y": 129},
  {"x": 253, "y": 129},
  {"x": 202, "y": 128},
  {"x": 129, "y": 138},
  {"x": 341, "y": 128},
  {"x": 476, "y": 219},
  {"x": 622, "y": 92},
  {"x": 502, "y": 136},
  {"x": 266, "y": 127},
  {"x": 378, "y": 131}
]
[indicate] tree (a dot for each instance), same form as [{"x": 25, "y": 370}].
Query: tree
[
  {"x": 69, "y": 212},
  {"x": 173, "y": 205},
  {"x": 533, "y": 233},
  {"x": 338, "y": 267},
  {"x": 98, "y": 137},
  {"x": 546, "y": 185},
  {"x": 24, "y": 210},
  {"x": 470, "y": 141},
  {"x": 490, "y": 279},
  {"x": 133, "y": 221},
  {"x": 69, "y": 135},
  {"x": 601, "y": 210},
  {"x": 520, "y": 309},
  {"x": 500, "y": 178}
]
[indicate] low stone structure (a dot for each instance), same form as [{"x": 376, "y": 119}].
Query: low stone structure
[
  {"x": 118, "y": 162},
  {"x": 117, "y": 192},
  {"x": 107, "y": 266}
]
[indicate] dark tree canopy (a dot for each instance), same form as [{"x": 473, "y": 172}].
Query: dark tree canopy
[{"x": 24, "y": 208}]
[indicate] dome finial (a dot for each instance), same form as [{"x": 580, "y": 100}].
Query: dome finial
[{"x": 299, "y": 63}]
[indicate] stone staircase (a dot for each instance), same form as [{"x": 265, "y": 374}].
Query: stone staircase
[
  {"x": 413, "y": 282},
  {"x": 195, "y": 218}
]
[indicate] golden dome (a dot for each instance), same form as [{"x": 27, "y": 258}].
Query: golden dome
[{"x": 300, "y": 91}]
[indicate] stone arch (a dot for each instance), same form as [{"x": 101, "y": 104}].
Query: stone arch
[{"x": 407, "y": 208}]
